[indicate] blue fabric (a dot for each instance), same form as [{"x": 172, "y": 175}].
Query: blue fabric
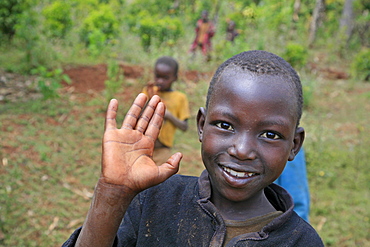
[{"x": 294, "y": 180}]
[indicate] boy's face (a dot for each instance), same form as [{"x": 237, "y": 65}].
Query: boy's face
[
  {"x": 248, "y": 133},
  {"x": 164, "y": 77},
  {"x": 205, "y": 15}
]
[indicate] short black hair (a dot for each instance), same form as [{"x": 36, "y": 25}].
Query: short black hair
[
  {"x": 169, "y": 61},
  {"x": 262, "y": 63}
]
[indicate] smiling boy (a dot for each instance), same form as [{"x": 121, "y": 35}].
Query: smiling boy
[{"x": 248, "y": 130}]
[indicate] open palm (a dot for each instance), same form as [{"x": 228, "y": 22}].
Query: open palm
[{"x": 127, "y": 151}]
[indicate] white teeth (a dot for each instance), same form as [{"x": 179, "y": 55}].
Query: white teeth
[{"x": 238, "y": 174}]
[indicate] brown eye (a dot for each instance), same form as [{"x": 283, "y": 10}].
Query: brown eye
[
  {"x": 224, "y": 126},
  {"x": 270, "y": 135}
]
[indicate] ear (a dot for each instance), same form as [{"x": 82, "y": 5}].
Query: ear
[
  {"x": 201, "y": 117},
  {"x": 297, "y": 142}
]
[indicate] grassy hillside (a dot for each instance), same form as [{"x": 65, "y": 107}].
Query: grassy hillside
[
  {"x": 50, "y": 150},
  {"x": 50, "y": 158}
]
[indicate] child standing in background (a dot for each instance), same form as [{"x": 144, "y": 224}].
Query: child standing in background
[
  {"x": 231, "y": 31},
  {"x": 177, "y": 106},
  {"x": 204, "y": 31}
]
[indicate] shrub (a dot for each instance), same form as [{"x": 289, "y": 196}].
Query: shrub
[
  {"x": 103, "y": 20},
  {"x": 48, "y": 82},
  {"x": 97, "y": 40},
  {"x": 9, "y": 12},
  {"x": 226, "y": 49},
  {"x": 58, "y": 18},
  {"x": 295, "y": 54},
  {"x": 308, "y": 88},
  {"x": 28, "y": 32},
  {"x": 360, "y": 67},
  {"x": 114, "y": 81},
  {"x": 154, "y": 29}
]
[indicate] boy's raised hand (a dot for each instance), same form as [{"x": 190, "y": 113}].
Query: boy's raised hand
[
  {"x": 152, "y": 89},
  {"x": 127, "y": 151}
]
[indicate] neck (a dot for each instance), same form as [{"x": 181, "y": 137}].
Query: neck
[{"x": 253, "y": 207}]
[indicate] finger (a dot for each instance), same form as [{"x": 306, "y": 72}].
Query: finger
[
  {"x": 134, "y": 112},
  {"x": 156, "y": 122},
  {"x": 148, "y": 113},
  {"x": 110, "y": 117},
  {"x": 171, "y": 167}
]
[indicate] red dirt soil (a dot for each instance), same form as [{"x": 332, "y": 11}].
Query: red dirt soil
[{"x": 85, "y": 78}]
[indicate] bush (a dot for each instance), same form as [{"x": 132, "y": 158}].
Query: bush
[
  {"x": 154, "y": 29},
  {"x": 9, "y": 13},
  {"x": 102, "y": 20},
  {"x": 48, "y": 82},
  {"x": 30, "y": 41},
  {"x": 115, "y": 76},
  {"x": 97, "y": 40},
  {"x": 308, "y": 88},
  {"x": 295, "y": 54},
  {"x": 58, "y": 18},
  {"x": 360, "y": 67},
  {"x": 225, "y": 49}
]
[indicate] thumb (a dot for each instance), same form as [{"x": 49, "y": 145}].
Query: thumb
[{"x": 169, "y": 168}]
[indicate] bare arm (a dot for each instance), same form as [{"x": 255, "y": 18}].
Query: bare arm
[
  {"x": 181, "y": 124},
  {"x": 127, "y": 168}
]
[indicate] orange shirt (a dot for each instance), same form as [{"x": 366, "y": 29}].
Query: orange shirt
[
  {"x": 177, "y": 103},
  {"x": 203, "y": 32}
]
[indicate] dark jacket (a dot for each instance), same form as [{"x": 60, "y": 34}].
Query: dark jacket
[{"x": 178, "y": 212}]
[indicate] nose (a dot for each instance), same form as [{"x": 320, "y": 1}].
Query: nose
[
  {"x": 243, "y": 147},
  {"x": 159, "y": 79}
]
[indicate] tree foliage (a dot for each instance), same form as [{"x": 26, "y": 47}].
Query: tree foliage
[
  {"x": 58, "y": 19},
  {"x": 360, "y": 67},
  {"x": 295, "y": 54},
  {"x": 9, "y": 12},
  {"x": 97, "y": 26},
  {"x": 101, "y": 19}
]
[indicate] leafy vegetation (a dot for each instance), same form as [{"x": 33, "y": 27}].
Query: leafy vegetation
[
  {"x": 48, "y": 82},
  {"x": 295, "y": 54},
  {"x": 113, "y": 84},
  {"x": 9, "y": 13},
  {"x": 360, "y": 67},
  {"x": 50, "y": 148},
  {"x": 101, "y": 20},
  {"x": 97, "y": 28},
  {"x": 58, "y": 18}
]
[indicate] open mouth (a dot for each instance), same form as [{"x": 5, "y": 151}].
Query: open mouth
[{"x": 238, "y": 174}]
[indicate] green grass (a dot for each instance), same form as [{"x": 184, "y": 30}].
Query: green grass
[
  {"x": 50, "y": 162},
  {"x": 337, "y": 155}
]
